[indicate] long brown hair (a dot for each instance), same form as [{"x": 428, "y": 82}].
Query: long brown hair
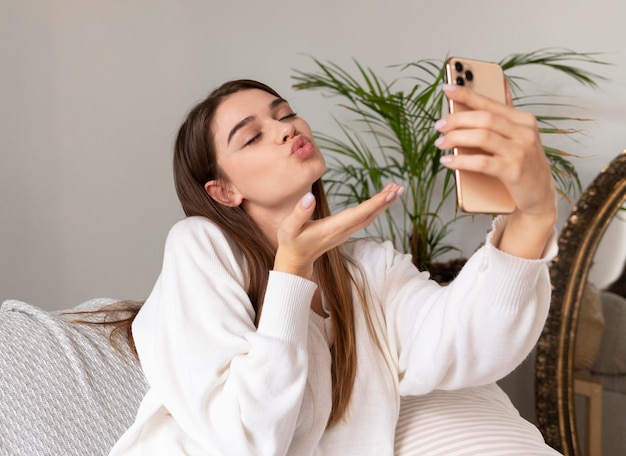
[{"x": 195, "y": 163}]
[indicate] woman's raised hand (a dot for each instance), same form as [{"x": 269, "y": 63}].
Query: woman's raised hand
[
  {"x": 514, "y": 154},
  {"x": 301, "y": 240}
]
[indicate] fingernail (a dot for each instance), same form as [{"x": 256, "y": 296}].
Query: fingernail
[
  {"x": 391, "y": 196},
  {"x": 439, "y": 141},
  {"x": 440, "y": 124},
  {"x": 445, "y": 159},
  {"x": 307, "y": 200},
  {"x": 449, "y": 87},
  {"x": 401, "y": 190}
]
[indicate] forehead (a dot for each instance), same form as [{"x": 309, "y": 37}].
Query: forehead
[{"x": 238, "y": 106}]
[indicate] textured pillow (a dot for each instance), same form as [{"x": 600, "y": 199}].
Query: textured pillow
[
  {"x": 63, "y": 390},
  {"x": 611, "y": 359},
  {"x": 479, "y": 421},
  {"x": 590, "y": 328}
]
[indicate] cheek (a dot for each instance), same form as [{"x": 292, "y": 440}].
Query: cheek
[
  {"x": 250, "y": 172},
  {"x": 304, "y": 128},
  {"x": 242, "y": 170}
]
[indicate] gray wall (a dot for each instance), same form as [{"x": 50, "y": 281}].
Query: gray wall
[{"x": 92, "y": 93}]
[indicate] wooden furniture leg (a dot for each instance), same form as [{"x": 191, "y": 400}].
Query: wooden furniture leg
[{"x": 591, "y": 389}]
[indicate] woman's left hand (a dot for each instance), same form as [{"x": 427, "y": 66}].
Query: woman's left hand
[{"x": 513, "y": 153}]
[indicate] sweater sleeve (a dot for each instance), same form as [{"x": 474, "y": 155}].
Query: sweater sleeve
[
  {"x": 231, "y": 387},
  {"x": 471, "y": 332}
]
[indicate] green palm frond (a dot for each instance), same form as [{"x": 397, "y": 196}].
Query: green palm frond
[
  {"x": 564, "y": 61},
  {"x": 390, "y": 136}
]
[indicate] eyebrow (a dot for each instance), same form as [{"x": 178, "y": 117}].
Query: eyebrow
[{"x": 242, "y": 123}]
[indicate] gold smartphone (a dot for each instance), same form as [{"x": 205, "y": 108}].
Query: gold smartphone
[{"x": 478, "y": 193}]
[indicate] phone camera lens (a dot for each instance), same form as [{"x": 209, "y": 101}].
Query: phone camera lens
[
  {"x": 458, "y": 66},
  {"x": 469, "y": 75},
  {"x": 460, "y": 81}
]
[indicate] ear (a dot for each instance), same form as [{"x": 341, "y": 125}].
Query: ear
[{"x": 223, "y": 193}]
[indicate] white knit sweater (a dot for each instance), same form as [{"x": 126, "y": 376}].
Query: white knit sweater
[{"x": 220, "y": 386}]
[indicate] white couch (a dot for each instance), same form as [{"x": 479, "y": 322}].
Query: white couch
[{"x": 65, "y": 391}]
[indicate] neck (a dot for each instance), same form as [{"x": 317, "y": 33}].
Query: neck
[
  {"x": 270, "y": 218},
  {"x": 268, "y": 221}
]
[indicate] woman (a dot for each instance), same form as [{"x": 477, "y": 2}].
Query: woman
[{"x": 268, "y": 334}]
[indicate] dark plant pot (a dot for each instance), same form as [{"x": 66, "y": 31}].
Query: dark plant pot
[{"x": 445, "y": 272}]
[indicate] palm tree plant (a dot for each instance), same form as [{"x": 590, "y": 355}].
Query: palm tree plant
[{"x": 389, "y": 135}]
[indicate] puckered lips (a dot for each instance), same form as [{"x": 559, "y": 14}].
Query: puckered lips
[{"x": 302, "y": 147}]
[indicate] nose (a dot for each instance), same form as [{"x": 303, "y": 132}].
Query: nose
[{"x": 285, "y": 132}]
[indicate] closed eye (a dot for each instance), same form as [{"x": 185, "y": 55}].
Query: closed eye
[
  {"x": 288, "y": 116},
  {"x": 252, "y": 140},
  {"x": 256, "y": 137}
]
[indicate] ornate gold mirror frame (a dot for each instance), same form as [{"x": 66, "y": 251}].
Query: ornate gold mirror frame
[{"x": 578, "y": 242}]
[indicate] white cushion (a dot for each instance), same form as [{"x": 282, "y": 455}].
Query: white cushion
[{"x": 479, "y": 421}]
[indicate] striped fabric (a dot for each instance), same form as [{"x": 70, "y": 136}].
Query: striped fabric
[{"x": 472, "y": 421}]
